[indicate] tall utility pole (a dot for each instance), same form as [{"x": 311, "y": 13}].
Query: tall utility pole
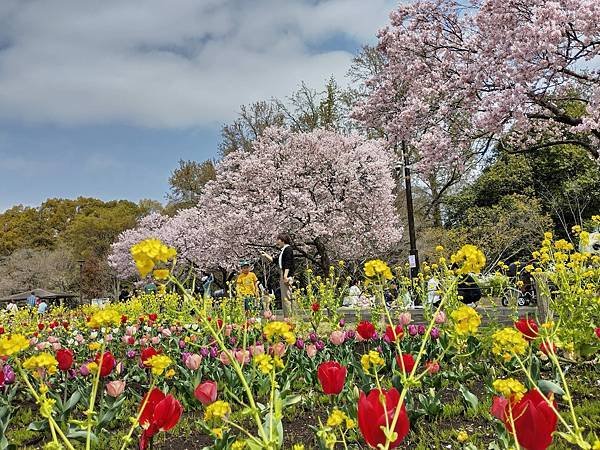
[{"x": 413, "y": 257}]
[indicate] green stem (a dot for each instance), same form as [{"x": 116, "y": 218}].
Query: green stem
[
  {"x": 37, "y": 398},
  {"x": 94, "y": 393}
]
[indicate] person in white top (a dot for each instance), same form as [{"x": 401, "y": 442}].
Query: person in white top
[{"x": 12, "y": 307}]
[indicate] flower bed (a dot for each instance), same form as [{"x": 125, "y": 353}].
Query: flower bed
[{"x": 174, "y": 371}]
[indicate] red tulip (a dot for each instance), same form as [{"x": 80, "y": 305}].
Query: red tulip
[
  {"x": 161, "y": 413},
  {"x": 41, "y": 326},
  {"x": 1, "y": 330},
  {"x": 597, "y": 331},
  {"x": 148, "y": 353},
  {"x": 372, "y": 417},
  {"x": 534, "y": 420},
  {"x": 123, "y": 319},
  {"x": 394, "y": 333},
  {"x": 108, "y": 363},
  {"x": 206, "y": 392},
  {"x": 366, "y": 329},
  {"x": 547, "y": 349},
  {"x": 64, "y": 357},
  {"x": 315, "y": 307},
  {"x": 405, "y": 363},
  {"x": 432, "y": 367},
  {"x": 152, "y": 317},
  {"x": 332, "y": 376},
  {"x": 528, "y": 328}
]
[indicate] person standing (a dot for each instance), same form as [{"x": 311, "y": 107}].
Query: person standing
[
  {"x": 42, "y": 307},
  {"x": 246, "y": 287},
  {"x": 285, "y": 261},
  {"x": 31, "y": 301},
  {"x": 12, "y": 307}
]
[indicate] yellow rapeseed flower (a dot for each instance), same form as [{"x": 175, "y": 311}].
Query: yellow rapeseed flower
[
  {"x": 41, "y": 361},
  {"x": 508, "y": 342},
  {"x": 158, "y": 363},
  {"x": 471, "y": 258},
  {"x": 378, "y": 268},
  {"x": 160, "y": 274},
  {"x": 510, "y": 388},
  {"x": 238, "y": 445},
  {"x": 107, "y": 317},
  {"x": 462, "y": 436},
  {"x": 264, "y": 363},
  {"x": 149, "y": 252},
  {"x": 298, "y": 447},
  {"x": 337, "y": 418},
  {"x": 466, "y": 320},
  {"x": 217, "y": 410},
  {"x": 13, "y": 343},
  {"x": 371, "y": 359},
  {"x": 94, "y": 346},
  {"x": 276, "y": 329}
]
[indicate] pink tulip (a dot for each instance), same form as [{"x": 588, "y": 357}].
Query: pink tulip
[
  {"x": 206, "y": 392},
  {"x": 166, "y": 332},
  {"x": 224, "y": 358},
  {"x": 192, "y": 362},
  {"x": 337, "y": 337},
  {"x": 242, "y": 356},
  {"x": 56, "y": 346},
  {"x": 268, "y": 315},
  {"x": 53, "y": 339},
  {"x": 108, "y": 338},
  {"x": 440, "y": 317},
  {"x": 278, "y": 349},
  {"x": 155, "y": 340},
  {"x": 311, "y": 350},
  {"x": 84, "y": 371},
  {"x": 115, "y": 388},
  {"x": 130, "y": 331},
  {"x": 80, "y": 339},
  {"x": 405, "y": 318},
  {"x": 258, "y": 349},
  {"x": 41, "y": 346},
  {"x": 33, "y": 341},
  {"x": 143, "y": 342},
  {"x": 228, "y": 329}
]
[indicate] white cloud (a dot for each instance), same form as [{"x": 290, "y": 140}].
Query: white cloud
[{"x": 168, "y": 63}]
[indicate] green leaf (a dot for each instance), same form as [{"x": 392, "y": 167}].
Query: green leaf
[
  {"x": 549, "y": 386},
  {"x": 72, "y": 402},
  {"x": 567, "y": 437},
  {"x": 291, "y": 400},
  {"x": 40, "y": 425},
  {"x": 470, "y": 398},
  {"x": 81, "y": 435}
]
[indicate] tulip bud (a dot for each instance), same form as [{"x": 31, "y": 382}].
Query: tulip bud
[{"x": 115, "y": 388}]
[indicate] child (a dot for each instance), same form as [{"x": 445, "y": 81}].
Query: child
[{"x": 246, "y": 286}]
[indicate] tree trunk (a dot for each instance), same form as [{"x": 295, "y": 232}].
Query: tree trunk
[{"x": 324, "y": 261}]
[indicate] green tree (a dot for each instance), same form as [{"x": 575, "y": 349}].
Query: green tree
[{"x": 187, "y": 183}]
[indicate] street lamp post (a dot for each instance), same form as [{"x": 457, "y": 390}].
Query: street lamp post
[{"x": 413, "y": 256}]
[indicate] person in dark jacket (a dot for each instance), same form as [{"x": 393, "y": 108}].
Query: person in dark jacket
[
  {"x": 469, "y": 290},
  {"x": 285, "y": 262}
]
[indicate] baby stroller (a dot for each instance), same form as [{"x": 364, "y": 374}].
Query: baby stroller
[{"x": 526, "y": 294}]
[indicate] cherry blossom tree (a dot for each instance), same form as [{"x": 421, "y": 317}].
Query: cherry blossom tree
[
  {"x": 460, "y": 78},
  {"x": 151, "y": 226},
  {"x": 332, "y": 193}
]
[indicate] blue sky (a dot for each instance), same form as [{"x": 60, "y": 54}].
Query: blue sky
[{"x": 103, "y": 98}]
